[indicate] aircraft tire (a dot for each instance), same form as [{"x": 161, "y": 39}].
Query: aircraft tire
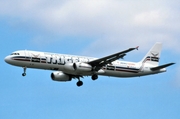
[
  {"x": 79, "y": 83},
  {"x": 23, "y": 74},
  {"x": 94, "y": 77}
]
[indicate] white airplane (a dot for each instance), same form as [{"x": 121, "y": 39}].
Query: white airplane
[{"x": 68, "y": 67}]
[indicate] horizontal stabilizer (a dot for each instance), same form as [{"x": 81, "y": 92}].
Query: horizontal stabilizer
[{"x": 161, "y": 67}]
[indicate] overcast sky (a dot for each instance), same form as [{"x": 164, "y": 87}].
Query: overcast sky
[{"x": 93, "y": 28}]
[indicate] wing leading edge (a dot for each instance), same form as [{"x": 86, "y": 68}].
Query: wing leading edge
[{"x": 99, "y": 63}]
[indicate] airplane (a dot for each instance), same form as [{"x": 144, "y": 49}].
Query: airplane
[{"x": 68, "y": 67}]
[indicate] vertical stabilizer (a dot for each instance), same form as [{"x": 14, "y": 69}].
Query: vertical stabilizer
[{"x": 153, "y": 56}]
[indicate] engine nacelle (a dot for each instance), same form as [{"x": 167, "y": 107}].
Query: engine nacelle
[
  {"x": 60, "y": 76},
  {"x": 80, "y": 66},
  {"x": 69, "y": 67}
]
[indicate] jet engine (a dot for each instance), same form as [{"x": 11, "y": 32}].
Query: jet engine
[
  {"x": 79, "y": 66},
  {"x": 69, "y": 67},
  {"x": 60, "y": 76}
]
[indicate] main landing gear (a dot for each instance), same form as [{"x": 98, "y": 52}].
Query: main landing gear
[
  {"x": 94, "y": 77},
  {"x": 80, "y": 83},
  {"x": 24, "y": 73}
]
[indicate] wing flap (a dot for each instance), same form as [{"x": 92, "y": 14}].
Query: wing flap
[{"x": 161, "y": 67}]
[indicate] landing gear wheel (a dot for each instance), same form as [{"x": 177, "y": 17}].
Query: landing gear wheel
[
  {"x": 79, "y": 83},
  {"x": 94, "y": 77},
  {"x": 23, "y": 74}
]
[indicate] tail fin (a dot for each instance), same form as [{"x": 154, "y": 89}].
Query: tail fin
[{"x": 152, "y": 57}]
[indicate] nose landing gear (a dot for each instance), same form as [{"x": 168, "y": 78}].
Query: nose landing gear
[{"x": 24, "y": 73}]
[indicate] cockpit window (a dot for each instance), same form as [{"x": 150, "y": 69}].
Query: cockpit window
[{"x": 15, "y": 54}]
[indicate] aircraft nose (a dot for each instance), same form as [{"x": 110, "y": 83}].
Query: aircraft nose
[{"x": 7, "y": 59}]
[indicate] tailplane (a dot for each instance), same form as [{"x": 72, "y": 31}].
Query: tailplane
[
  {"x": 161, "y": 67},
  {"x": 153, "y": 56}
]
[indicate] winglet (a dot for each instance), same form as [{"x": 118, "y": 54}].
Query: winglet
[{"x": 137, "y": 47}]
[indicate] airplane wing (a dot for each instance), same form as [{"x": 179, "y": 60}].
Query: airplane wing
[{"x": 99, "y": 63}]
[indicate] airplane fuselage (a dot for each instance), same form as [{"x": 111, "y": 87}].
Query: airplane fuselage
[{"x": 65, "y": 63}]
